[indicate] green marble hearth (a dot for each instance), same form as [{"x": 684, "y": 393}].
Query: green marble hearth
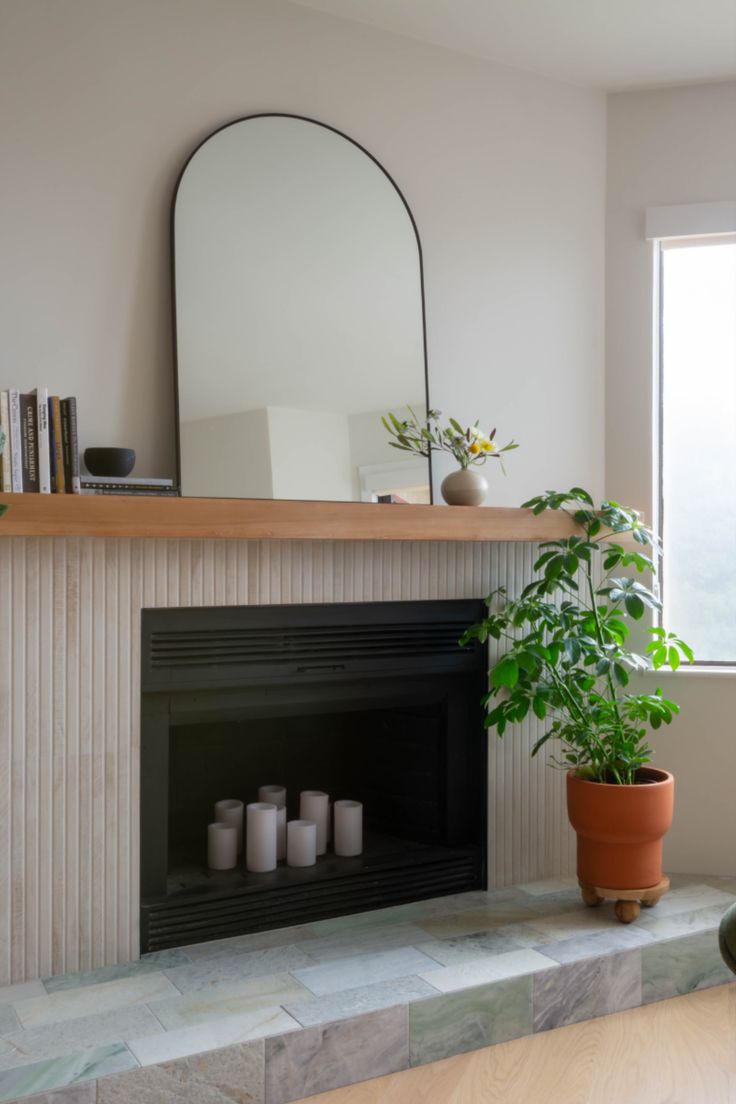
[{"x": 276, "y": 1016}]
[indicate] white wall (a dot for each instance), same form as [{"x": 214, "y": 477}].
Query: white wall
[
  {"x": 310, "y": 454},
  {"x": 667, "y": 147},
  {"x": 231, "y": 452},
  {"x": 100, "y": 103}
]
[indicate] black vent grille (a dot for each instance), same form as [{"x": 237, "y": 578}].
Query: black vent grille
[
  {"x": 176, "y": 922},
  {"x": 240, "y": 646},
  {"x": 305, "y": 645}
]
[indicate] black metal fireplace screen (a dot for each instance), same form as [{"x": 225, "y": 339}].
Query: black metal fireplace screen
[{"x": 372, "y": 701}]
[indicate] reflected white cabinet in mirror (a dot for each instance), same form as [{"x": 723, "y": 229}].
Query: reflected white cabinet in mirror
[{"x": 299, "y": 317}]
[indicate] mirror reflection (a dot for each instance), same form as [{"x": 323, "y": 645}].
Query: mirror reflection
[{"x": 299, "y": 317}]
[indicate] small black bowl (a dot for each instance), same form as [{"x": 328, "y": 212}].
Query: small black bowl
[{"x": 112, "y": 462}]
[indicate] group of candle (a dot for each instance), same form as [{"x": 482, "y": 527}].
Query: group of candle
[{"x": 269, "y": 838}]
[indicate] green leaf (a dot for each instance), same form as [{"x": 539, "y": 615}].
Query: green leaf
[
  {"x": 634, "y": 606},
  {"x": 505, "y": 673},
  {"x": 540, "y": 707},
  {"x": 674, "y": 658},
  {"x": 620, "y": 674}
]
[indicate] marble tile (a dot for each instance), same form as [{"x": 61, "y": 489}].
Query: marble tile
[
  {"x": 11, "y": 994},
  {"x": 251, "y": 995},
  {"x": 356, "y": 1002},
  {"x": 147, "y": 965},
  {"x": 466, "y": 948},
  {"x": 475, "y": 920},
  {"x": 621, "y": 938},
  {"x": 212, "y": 1035},
  {"x": 449, "y": 979},
  {"x": 457, "y": 1022},
  {"x": 550, "y": 885},
  {"x": 679, "y": 966},
  {"x": 253, "y": 941},
  {"x": 557, "y": 901},
  {"x": 692, "y": 898},
  {"x": 681, "y": 923},
  {"x": 84, "y": 1093},
  {"x": 56, "y": 1073},
  {"x": 366, "y": 941},
  {"x": 68, "y": 1004},
  {"x": 583, "y": 990},
  {"x": 726, "y": 883},
  {"x": 208, "y": 973},
  {"x": 70, "y": 1036},
  {"x": 352, "y": 973},
  {"x": 328, "y": 1056},
  {"x": 8, "y": 1019},
  {"x": 231, "y": 1075},
  {"x": 359, "y": 921},
  {"x": 578, "y": 921}
]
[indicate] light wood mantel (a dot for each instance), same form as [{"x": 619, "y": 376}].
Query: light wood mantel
[{"x": 36, "y": 515}]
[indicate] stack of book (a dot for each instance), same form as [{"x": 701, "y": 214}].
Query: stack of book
[
  {"x": 101, "y": 484},
  {"x": 41, "y": 451}
]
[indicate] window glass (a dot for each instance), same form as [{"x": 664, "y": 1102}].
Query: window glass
[{"x": 698, "y": 442}]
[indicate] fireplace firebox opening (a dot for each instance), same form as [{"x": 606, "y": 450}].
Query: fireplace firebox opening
[{"x": 371, "y": 701}]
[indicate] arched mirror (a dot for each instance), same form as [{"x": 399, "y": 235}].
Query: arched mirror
[{"x": 299, "y": 317}]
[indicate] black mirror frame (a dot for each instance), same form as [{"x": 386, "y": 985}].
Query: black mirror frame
[{"x": 335, "y": 130}]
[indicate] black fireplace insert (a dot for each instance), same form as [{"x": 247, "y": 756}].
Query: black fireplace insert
[{"x": 371, "y": 701}]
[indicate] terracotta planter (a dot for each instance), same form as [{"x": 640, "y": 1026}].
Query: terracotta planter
[
  {"x": 620, "y": 829},
  {"x": 464, "y": 488}
]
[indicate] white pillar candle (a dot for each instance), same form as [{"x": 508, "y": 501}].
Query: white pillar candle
[
  {"x": 301, "y": 843},
  {"x": 260, "y": 837},
  {"x": 315, "y": 805},
  {"x": 281, "y": 833},
  {"x": 222, "y": 846},
  {"x": 273, "y": 795},
  {"x": 348, "y": 828},
  {"x": 230, "y": 811}
]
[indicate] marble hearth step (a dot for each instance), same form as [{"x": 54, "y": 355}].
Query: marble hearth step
[{"x": 280, "y": 1015}]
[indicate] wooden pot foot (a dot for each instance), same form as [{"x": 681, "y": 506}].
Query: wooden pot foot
[{"x": 628, "y": 901}]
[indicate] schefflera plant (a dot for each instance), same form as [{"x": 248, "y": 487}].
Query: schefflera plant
[{"x": 566, "y": 659}]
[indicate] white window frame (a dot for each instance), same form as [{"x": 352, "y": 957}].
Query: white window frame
[{"x": 684, "y": 224}]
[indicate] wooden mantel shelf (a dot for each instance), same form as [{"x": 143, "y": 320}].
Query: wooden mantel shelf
[{"x": 35, "y": 515}]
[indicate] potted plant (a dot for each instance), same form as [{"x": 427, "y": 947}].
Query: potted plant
[
  {"x": 565, "y": 660},
  {"x": 470, "y": 447}
]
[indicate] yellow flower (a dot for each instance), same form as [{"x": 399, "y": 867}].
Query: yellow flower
[
  {"x": 488, "y": 446},
  {"x": 474, "y": 448}
]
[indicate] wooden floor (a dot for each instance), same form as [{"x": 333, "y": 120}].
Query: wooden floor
[{"x": 681, "y": 1051}]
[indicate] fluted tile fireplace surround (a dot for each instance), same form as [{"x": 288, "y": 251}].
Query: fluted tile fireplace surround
[{"x": 70, "y": 706}]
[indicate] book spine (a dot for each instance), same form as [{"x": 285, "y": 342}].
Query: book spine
[
  {"x": 7, "y": 451},
  {"x": 16, "y": 442},
  {"x": 73, "y": 483},
  {"x": 42, "y": 432},
  {"x": 29, "y": 442},
  {"x": 58, "y": 475}
]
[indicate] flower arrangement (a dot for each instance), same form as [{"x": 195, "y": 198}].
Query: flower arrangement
[{"x": 469, "y": 445}]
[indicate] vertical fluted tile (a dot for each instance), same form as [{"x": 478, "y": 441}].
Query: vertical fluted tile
[{"x": 70, "y": 614}]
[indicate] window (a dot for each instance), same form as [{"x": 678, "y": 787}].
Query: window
[{"x": 697, "y": 441}]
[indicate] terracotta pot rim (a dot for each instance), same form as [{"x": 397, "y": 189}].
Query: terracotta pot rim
[{"x": 665, "y": 777}]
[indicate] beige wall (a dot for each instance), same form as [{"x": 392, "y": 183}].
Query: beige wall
[
  {"x": 102, "y": 100},
  {"x": 667, "y": 147}
]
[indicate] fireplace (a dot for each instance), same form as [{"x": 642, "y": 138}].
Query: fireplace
[{"x": 372, "y": 701}]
